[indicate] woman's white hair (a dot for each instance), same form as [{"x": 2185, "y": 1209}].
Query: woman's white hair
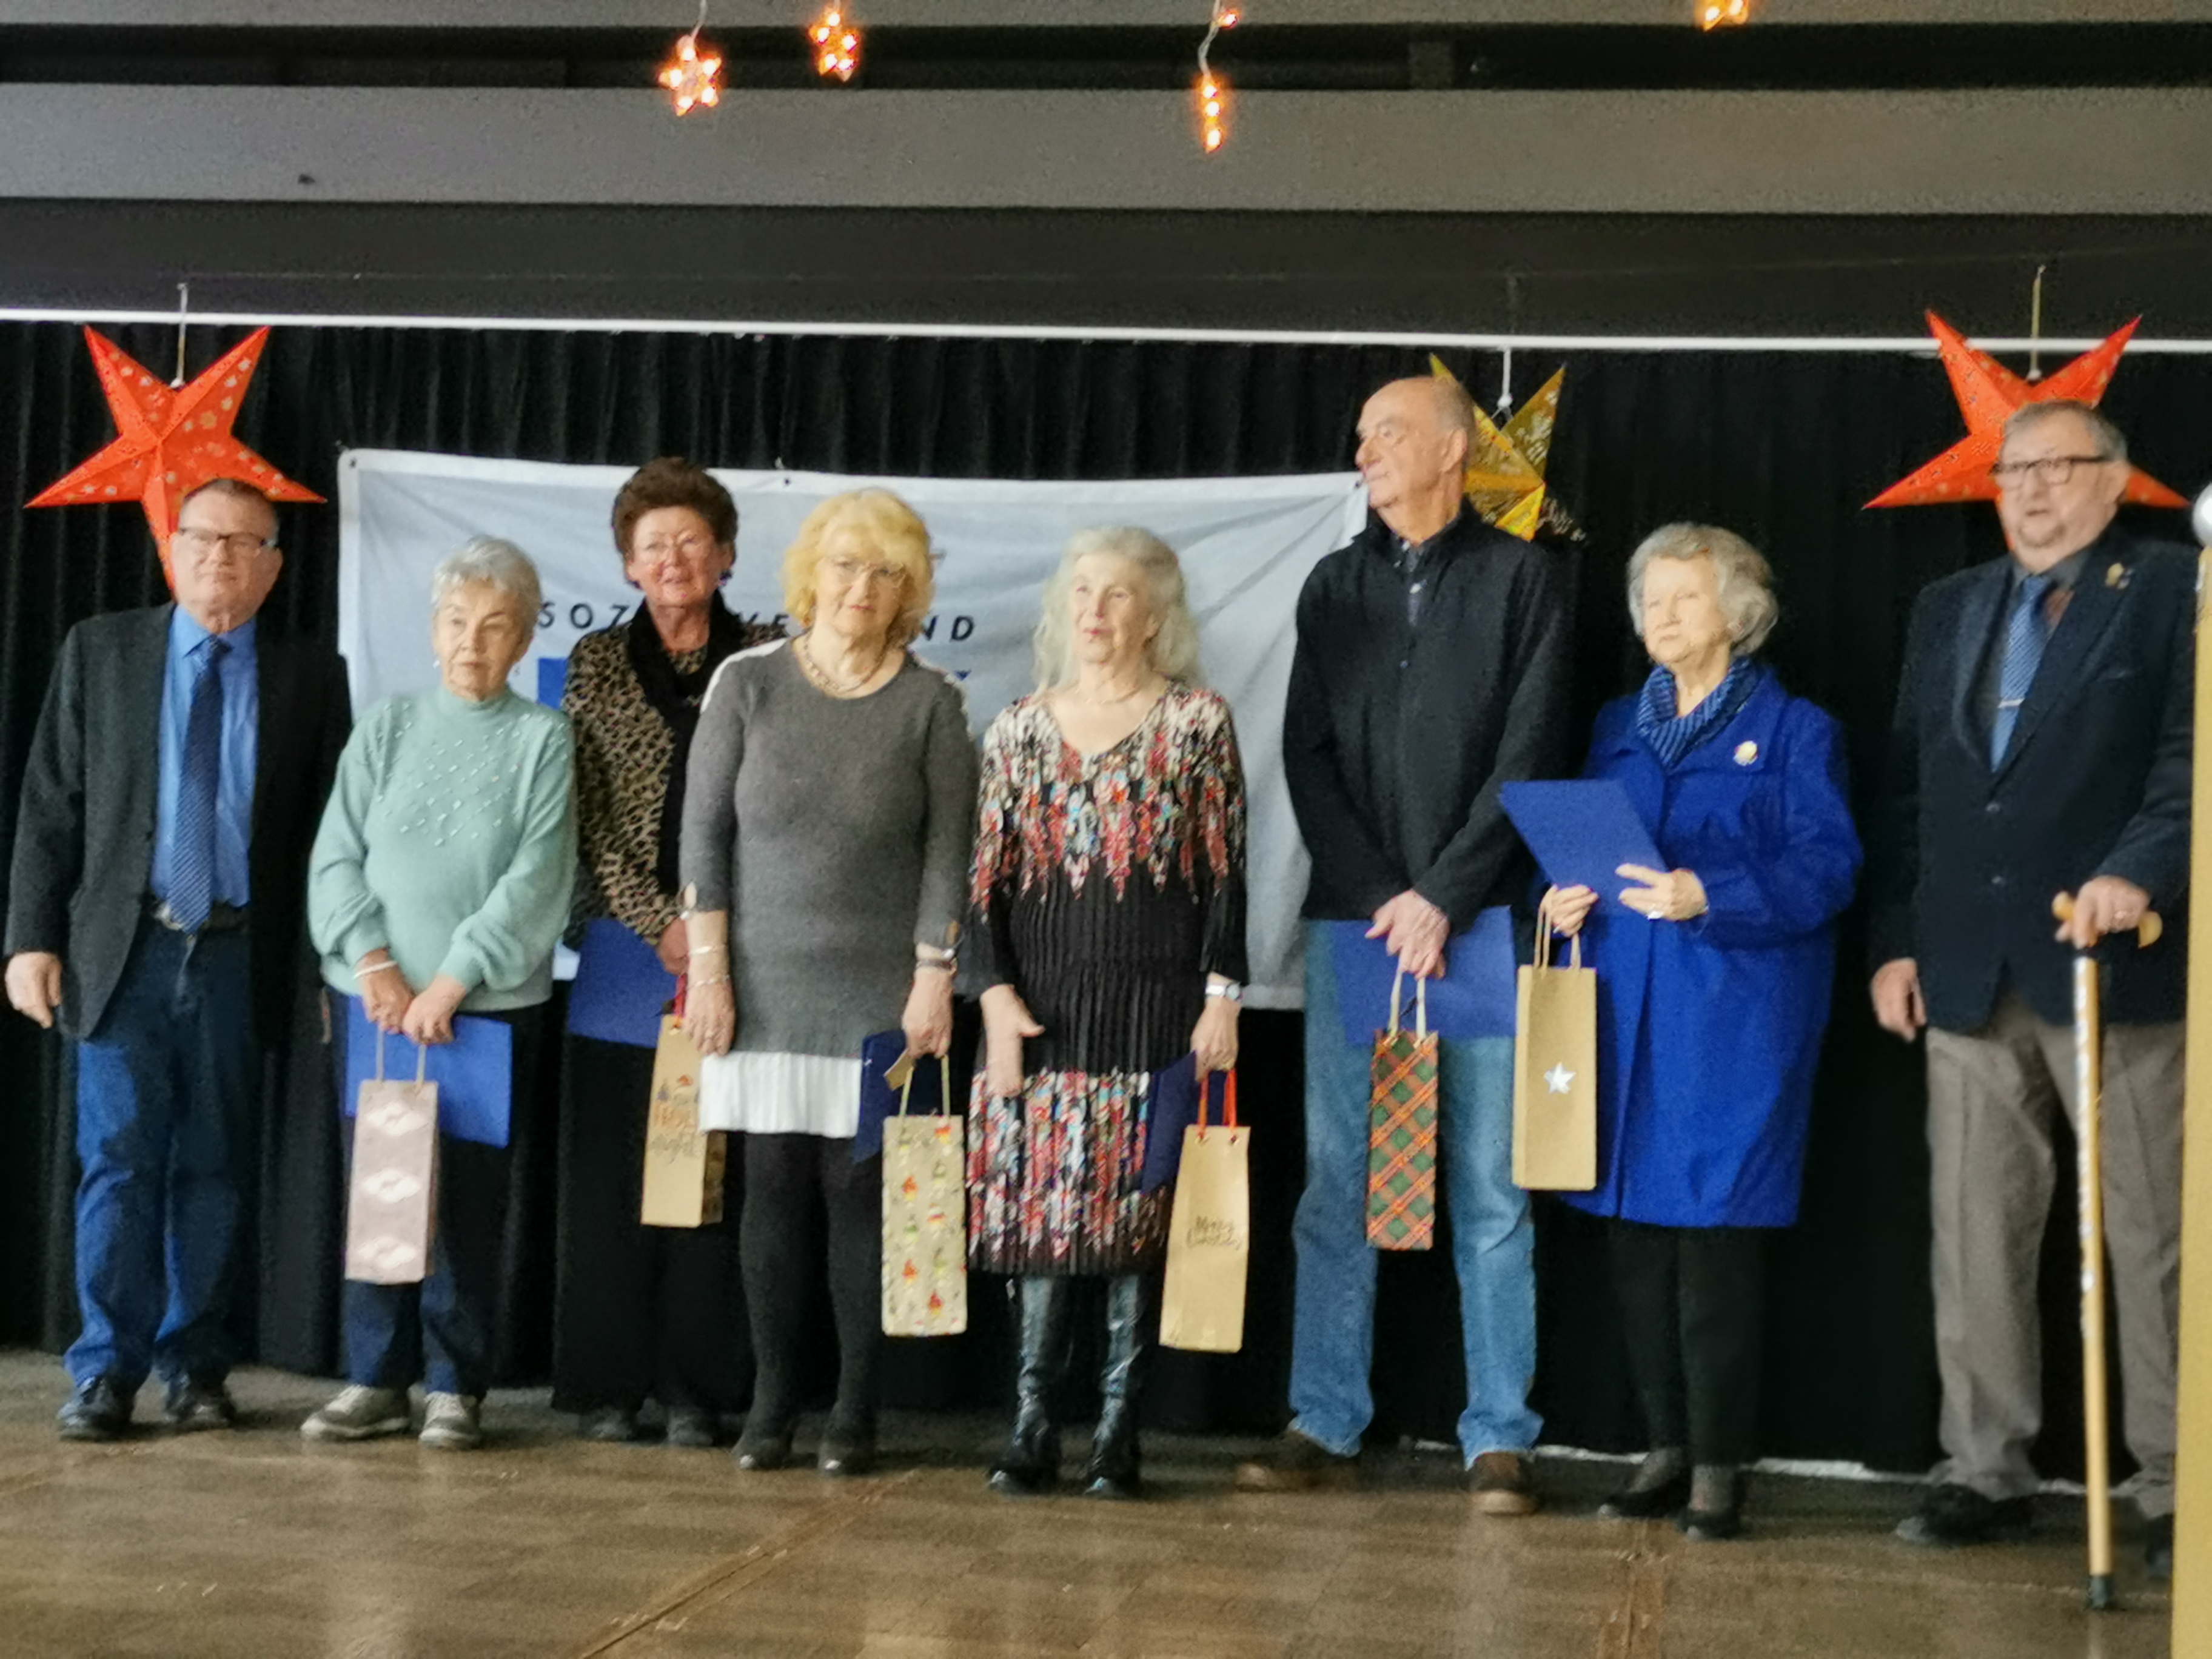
[
  {"x": 1172, "y": 650},
  {"x": 489, "y": 559},
  {"x": 1745, "y": 580}
]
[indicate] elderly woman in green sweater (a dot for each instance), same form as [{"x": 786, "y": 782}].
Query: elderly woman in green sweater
[{"x": 439, "y": 884}]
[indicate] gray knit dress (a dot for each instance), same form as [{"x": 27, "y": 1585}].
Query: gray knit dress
[{"x": 836, "y": 833}]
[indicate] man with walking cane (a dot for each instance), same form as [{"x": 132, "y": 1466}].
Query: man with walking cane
[{"x": 2041, "y": 748}]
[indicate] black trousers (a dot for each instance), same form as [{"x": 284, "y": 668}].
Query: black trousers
[
  {"x": 798, "y": 1189},
  {"x": 642, "y": 1313},
  {"x": 1692, "y": 1307}
]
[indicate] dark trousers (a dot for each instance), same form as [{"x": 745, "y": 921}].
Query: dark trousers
[
  {"x": 441, "y": 1329},
  {"x": 794, "y": 1184},
  {"x": 642, "y": 1312},
  {"x": 1693, "y": 1308},
  {"x": 164, "y": 1088}
]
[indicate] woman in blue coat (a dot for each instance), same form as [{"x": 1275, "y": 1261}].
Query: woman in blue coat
[{"x": 1711, "y": 1009}]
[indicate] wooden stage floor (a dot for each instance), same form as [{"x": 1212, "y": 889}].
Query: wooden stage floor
[{"x": 256, "y": 1545}]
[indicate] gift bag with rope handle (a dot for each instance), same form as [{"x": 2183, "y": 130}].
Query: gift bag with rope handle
[
  {"x": 392, "y": 1196},
  {"x": 925, "y": 1217},
  {"x": 1401, "y": 1130}
]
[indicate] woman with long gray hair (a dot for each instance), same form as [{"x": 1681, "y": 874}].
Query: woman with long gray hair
[{"x": 1107, "y": 942}]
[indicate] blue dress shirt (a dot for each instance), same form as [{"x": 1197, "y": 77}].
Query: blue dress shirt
[{"x": 234, "y": 800}]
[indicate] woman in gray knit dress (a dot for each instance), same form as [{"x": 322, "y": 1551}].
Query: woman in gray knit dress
[{"x": 829, "y": 811}]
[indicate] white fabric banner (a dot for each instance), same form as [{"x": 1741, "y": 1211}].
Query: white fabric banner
[{"x": 1246, "y": 544}]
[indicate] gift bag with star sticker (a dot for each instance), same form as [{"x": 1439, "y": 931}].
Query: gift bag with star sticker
[
  {"x": 392, "y": 1198},
  {"x": 1401, "y": 1129},
  {"x": 1555, "y": 1074},
  {"x": 924, "y": 1213}
]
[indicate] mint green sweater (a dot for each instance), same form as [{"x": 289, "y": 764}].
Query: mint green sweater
[{"x": 450, "y": 839}]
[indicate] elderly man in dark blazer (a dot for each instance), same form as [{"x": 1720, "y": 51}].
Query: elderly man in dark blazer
[
  {"x": 175, "y": 779},
  {"x": 2042, "y": 746},
  {"x": 1431, "y": 666}
]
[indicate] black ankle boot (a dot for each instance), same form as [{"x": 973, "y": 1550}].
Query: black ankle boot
[
  {"x": 1112, "y": 1471},
  {"x": 1031, "y": 1464}
]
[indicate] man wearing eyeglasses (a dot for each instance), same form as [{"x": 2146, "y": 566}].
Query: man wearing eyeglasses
[
  {"x": 2041, "y": 746},
  {"x": 176, "y": 776}
]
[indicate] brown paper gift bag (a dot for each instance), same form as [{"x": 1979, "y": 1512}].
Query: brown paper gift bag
[
  {"x": 1401, "y": 1131},
  {"x": 1210, "y": 1236},
  {"x": 392, "y": 1200},
  {"x": 1555, "y": 1074},
  {"x": 925, "y": 1218},
  {"x": 684, "y": 1163}
]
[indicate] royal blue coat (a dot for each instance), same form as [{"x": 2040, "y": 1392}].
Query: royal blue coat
[{"x": 1709, "y": 1030}]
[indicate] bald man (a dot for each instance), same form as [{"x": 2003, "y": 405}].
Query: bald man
[{"x": 1431, "y": 666}]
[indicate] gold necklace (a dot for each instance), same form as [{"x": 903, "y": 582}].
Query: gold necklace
[{"x": 820, "y": 674}]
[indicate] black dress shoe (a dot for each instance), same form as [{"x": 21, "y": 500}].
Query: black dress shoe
[
  {"x": 98, "y": 1410},
  {"x": 610, "y": 1424},
  {"x": 846, "y": 1452},
  {"x": 766, "y": 1447},
  {"x": 2158, "y": 1547},
  {"x": 192, "y": 1406},
  {"x": 1651, "y": 1503},
  {"x": 1951, "y": 1515}
]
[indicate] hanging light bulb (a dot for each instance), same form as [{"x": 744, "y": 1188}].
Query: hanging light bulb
[
  {"x": 1723, "y": 13},
  {"x": 836, "y": 42},
  {"x": 692, "y": 69},
  {"x": 1211, "y": 90}
]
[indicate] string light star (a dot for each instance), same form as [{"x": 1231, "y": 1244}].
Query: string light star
[
  {"x": 690, "y": 73},
  {"x": 836, "y": 44},
  {"x": 1213, "y": 89}
]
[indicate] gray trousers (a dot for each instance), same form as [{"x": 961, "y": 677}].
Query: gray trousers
[{"x": 1990, "y": 1098}]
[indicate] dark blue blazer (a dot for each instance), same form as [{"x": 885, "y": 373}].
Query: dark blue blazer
[
  {"x": 1967, "y": 859},
  {"x": 1709, "y": 1030}
]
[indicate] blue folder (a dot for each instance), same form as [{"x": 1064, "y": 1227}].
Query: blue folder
[
  {"x": 620, "y": 986},
  {"x": 474, "y": 1072},
  {"x": 1474, "y": 999},
  {"x": 1172, "y": 1109},
  {"x": 879, "y": 1100},
  {"x": 1582, "y": 832}
]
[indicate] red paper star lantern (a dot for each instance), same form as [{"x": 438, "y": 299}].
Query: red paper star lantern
[
  {"x": 169, "y": 443},
  {"x": 1988, "y": 393}
]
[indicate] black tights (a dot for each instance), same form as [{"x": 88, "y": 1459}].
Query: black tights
[
  {"x": 790, "y": 1180},
  {"x": 1692, "y": 1307}
]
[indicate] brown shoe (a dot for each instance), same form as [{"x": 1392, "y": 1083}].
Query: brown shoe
[
  {"x": 1298, "y": 1464},
  {"x": 1503, "y": 1483}
]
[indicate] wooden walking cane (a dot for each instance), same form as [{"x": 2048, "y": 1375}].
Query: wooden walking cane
[{"x": 2089, "y": 1089}]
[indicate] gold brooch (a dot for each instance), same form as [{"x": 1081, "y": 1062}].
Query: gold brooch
[
  {"x": 1745, "y": 752},
  {"x": 2116, "y": 575}
]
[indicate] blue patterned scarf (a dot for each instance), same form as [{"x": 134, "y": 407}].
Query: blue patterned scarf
[{"x": 1670, "y": 735}]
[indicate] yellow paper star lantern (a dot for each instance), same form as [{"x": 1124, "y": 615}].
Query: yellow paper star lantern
[{"x": 1506, "y": 463}]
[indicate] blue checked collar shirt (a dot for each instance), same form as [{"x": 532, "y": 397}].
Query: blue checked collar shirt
[{"x": 234, "y": 801}]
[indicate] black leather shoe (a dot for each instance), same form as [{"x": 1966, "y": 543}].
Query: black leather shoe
[
  {"x": 1951, "y": 1515},
  {"x": 764, "y": 1447},
  {"x": 2158, "y": 1547},
  {"x": 1666, "y": 1499},
  {"x": 1031, "y": 1462},
  {"x": 98, "y": 1410},
  {"x": 192, "y": 1406},
  {"x": 847, "y": 1451},
  {"x": 610, "y": 1424}
]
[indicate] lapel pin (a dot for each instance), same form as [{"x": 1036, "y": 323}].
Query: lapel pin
[
  {"x": 1745, "y": 752},
  {"x": 2116, "y": 575}
]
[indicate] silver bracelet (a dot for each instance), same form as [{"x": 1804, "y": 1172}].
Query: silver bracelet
[
  {"x": 386, "y": 966},
  {"x": 710, "y": 950},
  {"x": 713, "y": 979},
  {"x": 943, "y": 965}
]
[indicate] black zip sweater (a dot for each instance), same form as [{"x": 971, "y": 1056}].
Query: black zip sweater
[{"x": 1397, "y": 736}]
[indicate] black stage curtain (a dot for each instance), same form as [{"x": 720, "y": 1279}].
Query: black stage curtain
[{"x": 1781, "y": 446}]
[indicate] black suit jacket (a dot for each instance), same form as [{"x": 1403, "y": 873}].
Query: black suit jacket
[
  {"x": 1396, "y": 740},
  {"x": 84, "y": 839},
  {"x": 1965, "y": 860}
]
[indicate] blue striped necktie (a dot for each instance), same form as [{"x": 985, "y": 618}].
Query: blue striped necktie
[
  {"x": 2025, "y": 635},
  {"x": 191, "y": 868}
]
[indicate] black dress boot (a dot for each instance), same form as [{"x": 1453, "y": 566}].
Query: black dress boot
[
  {"x": 1112, "y": 1471},
  {"x": 1031, "y": 1464}
]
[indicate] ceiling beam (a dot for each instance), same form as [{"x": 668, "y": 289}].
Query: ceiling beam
[{"x": 1972, "y": 153}]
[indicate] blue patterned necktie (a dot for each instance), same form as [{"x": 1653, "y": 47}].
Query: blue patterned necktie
[
  {"x": 191, "y": 870},
  {"x": 2025, "y": 635}
]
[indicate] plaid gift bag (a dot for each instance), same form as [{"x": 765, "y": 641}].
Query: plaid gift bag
[{"x": 1401, "y": 1134}]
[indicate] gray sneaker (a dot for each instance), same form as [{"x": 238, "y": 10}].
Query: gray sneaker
[
  {"x": 450, "y": 1422},
  {"x": 360, "y": 1412}
]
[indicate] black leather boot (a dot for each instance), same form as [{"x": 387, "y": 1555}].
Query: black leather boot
[
  {"x": 1112, "y": 1471},
  {"x": 1031, "y": 1462}
]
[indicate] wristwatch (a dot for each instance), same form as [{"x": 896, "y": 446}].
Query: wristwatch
[{"x": 1227, "y": 990}]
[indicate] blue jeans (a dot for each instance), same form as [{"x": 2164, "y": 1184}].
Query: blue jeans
[
  {"x": 163, "y": 1092},
  {"x": 1492, "y": 1239}
]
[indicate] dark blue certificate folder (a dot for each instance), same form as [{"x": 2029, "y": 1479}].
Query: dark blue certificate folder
[
  {"x": 879, "y": 1097},
  {"x": 620, "y": 987},
  {"x": 474, "y": 1072},
  {"x": 1582, "y": 832}
]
